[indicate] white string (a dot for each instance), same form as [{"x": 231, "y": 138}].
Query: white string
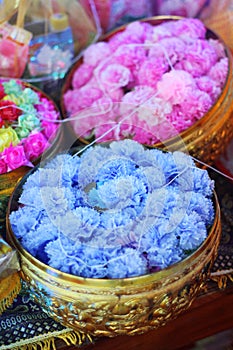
[{"x": 212, "y": 168}]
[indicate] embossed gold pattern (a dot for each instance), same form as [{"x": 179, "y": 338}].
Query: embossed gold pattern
[
  {"x": 209, "y": 136},
  {"x": 103, "y": 307}
]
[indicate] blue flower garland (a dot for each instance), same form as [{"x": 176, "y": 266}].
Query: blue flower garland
[{"x": 114, "y": 212}]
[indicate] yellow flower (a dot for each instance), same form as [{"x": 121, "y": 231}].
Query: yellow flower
[
  {"x": 8, "y": 136},
  {"x": 13, "y": 98}
]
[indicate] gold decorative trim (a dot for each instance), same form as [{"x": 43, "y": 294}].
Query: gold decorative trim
[
  {"x": 9, "y": 289},
  {"x": 69, "y": 336}
]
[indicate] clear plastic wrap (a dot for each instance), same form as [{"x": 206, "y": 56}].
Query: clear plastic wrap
[{"x": 9, "y": 263}]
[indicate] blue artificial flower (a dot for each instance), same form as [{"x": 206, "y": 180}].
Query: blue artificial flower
[
  {"x": 24, "y": 219},
  {"x": 114, "y": 168},
  {"x": 114, "y": 212},
  {"x": 112, "y": 219},
  {"x": 120, "y": 193},
  {"x": 91, "y": 160},
  {"x": 89, "y": 262},
  {"x": 191, "y": 232},
  {"x": 31, "y": 197},
  {"x": 160, "y": 258},
  {"x": 36, "y": 239},
  {"x": 56, "y": 201},
  {"x": 57, "y": 255},
  {"x": 203, "y": 183},
  {"x": 129, "y": 149},
  {"x": 79, "y": 224},
  {"x": 32, "y": 180},
  {"x": 155, "y": 177},
  {"x": 203, "y": 206},
  {"x": 126, "y": 262}
]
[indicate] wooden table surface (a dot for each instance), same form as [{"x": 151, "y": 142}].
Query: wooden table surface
[{"x": 210, "y": 313}]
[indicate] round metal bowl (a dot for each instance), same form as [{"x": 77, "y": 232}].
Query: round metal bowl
[{"x": 111, "y": 307}]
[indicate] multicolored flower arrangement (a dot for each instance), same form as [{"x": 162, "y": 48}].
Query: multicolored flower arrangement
[
  {"x": 146, "y": 82},
  {"x": 27, "y": 124},
  {"x": 114, "y": 212}
]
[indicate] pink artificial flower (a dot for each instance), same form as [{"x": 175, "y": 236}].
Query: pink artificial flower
[
  {"x": 147, "y": 82},
  {"x": 218, "y": 47},
  {"x": 49, "y": 129},
  {"x": 219, "y": 72},
  {"x": 179, "y": 121},
  {"x": 15, "y": 157},
  {"x": 136, "y": 97},
  {"x": 158, "y": 33},
  {"x": 45, "y": 105},
  {"x": 187, "y": 29},
  {"x": 82, "y": 75},
  {"x": 138, "y": 130},
  {"x": 142, "y": 29},
  {"x": 102, "y": 111},
  {"x": 34, "y": 145},
  {"x": 176, "y": 86},
  {"x": 3, "y": 166},
  {"x": 171, "y": 49},
  {"x": 114, "y": 76},
  {"x": 78, "y": 99},
  {"x": 108, "y": 131},
  {"x": 154, "y": 111},
  {"x": 115, "y": 94},
  {"x": 151, "y": 71},
  {"x": 130, "y": 56},
  {"x": 199, "y": 58},
  {"x": 95, "y": 53},
  {"x": 122, "y": 38},
  {"x": 208, "y": 85},
  {"x": 197, "y": 104}
]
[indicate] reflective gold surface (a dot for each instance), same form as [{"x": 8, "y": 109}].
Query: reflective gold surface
[
  {"x": 209, "y": 136},
  {"x": 9, "y": 289},
  {"x": 105, "y": 307}
]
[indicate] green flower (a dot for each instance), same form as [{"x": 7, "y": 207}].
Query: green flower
[
  {"x": 30, "y": 96},
  {"x": 28, "y": 108},
  {"x": 13, "y": 98},
  {"x": 12, "y": 87},
  {"x": 22, "y": 132},
  {"x": 29, "y": 121}
]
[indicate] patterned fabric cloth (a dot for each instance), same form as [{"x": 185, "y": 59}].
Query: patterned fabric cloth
[{"x": 25, "y": 326}]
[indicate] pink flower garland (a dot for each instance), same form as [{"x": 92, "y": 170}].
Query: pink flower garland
[{"x": 148, "y": 83}]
